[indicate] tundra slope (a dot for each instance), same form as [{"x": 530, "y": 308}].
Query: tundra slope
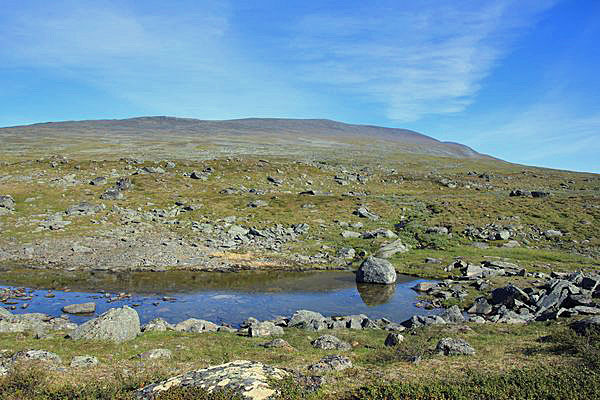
[
  {"x": 251, "y": 135},
  {"x": 170, "y": 199}
]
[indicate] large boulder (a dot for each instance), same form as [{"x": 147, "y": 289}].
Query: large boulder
[
  {"x": 376, "y": 270},
  {"x": 248, "y": 379},
  {"x": 117, "y": 324}
]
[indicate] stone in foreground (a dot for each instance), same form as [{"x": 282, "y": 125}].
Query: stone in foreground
[
  {"x": 376, "y": 270},
  {"x": 117, "y": 324},
  {"x": 454, "y": 347},
  {"x": 245, "y": 378}
]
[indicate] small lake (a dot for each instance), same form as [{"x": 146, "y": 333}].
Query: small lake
[{"x": 219, "y": 297}]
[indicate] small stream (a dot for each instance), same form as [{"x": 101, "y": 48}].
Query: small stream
[{"x": 227, "y": 298}]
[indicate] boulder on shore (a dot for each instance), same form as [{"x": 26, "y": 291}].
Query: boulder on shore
[
  {"x": 376, "y": 270},
  {"x": 117, "y": 324}
]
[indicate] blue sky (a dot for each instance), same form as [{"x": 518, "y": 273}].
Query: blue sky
[{"x": 516, "y": 79}]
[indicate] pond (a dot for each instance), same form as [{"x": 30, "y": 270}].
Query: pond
[{"x": 227, "y": 298}]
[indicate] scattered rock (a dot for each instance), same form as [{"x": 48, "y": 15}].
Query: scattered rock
[
  {"x": 258, "y": 203},
  {"x": 363, "y": 212},
  {"x": 36, "y": 355},
  {"x": 453, "y": 347},
  {"x": 98, "y": 181},
  {"x": 157, "y": 325},
  {"x": 155, "y": 354},
  {"x": 330, "y": 342},
  {"x": 193, "y": 325},
  {"x": 265, "y": 328},
  {"x": 277, "y": 343},
  {"x": 6, "y": 201},
  {"x": 83, "y": 308},
  {"x": 347, "y": 253},
  {"x": 112, "y": 194},
  {"x": 351, "y": 235},
  {"x": 390, "y": 249},
  {"x": 84, "y": 361},
  {"x": 331, "y": 363},
  {"x": 393, "y": 339}
]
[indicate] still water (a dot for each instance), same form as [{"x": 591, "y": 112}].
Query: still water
[{"x": 219, "y": 297}]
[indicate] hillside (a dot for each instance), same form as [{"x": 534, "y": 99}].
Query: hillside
[{"x": 292, "y": 133}]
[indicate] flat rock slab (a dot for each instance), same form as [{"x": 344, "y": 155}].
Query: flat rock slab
[{"x": 246, "y": 378}]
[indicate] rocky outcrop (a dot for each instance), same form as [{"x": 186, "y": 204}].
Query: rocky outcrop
[
  {"x": 250, "y": 380},
  {"x": 117, "y": 324}
]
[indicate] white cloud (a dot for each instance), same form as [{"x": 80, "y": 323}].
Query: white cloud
[
  {"x": 413, "y": 60},
  {"x": 165, "y": 61}
]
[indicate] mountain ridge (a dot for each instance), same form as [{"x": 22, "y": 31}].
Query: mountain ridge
[{"x": 282, "y": 127}]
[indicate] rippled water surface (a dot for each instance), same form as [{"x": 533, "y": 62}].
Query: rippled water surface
[{"x": 221, "y": 298}]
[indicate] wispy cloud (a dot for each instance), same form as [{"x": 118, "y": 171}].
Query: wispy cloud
[
  {"x": 415, "y": 60},
  {"x": 544, "y": 133},
  {"x": 164, "y": 60}
]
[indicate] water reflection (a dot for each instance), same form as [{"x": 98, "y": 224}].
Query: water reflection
[
  {"x": 222, "y": 298},
  {"x": 375, "y": 295}
]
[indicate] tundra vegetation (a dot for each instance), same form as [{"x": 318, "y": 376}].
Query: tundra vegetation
[{"x": 514, "y": 251}]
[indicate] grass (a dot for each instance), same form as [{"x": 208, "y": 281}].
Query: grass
[{"x": 508, "y": 364}]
